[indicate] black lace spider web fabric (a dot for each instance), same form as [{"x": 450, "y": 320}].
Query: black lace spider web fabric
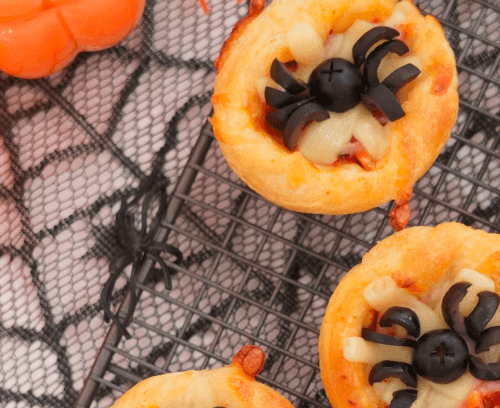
[{"x": 116, "y": 122}]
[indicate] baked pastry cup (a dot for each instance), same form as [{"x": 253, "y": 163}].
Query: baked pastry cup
[
  {"x": 231, "y": 386},
  {"x": 430, "y": 271},
  {"x": 289, "y": 179}
]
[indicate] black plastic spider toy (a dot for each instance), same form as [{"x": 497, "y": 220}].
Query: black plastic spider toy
[
  {"x": 440, "y": 356},
  {"x": 337, "y": 85},
  {"x": 134, "y": 246}
]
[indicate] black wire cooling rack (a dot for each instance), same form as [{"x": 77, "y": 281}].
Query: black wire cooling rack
[{"x": 118, "y": 122}]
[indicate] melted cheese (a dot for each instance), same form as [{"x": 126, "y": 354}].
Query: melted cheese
[
  {"x": 323, "y": 142},
  {"x": 475, "y": 278},
  {"x": 492, "y": 355},
  {"x": 393, "y": 61},
  {"x": 358, "y": 350},
  {"x": 386, "y": 388},
  {"x": 304, "y": 72},
  {"x": 457, "y": 390},
  {"x": 369, "y": 132},
  {"x": 423, "y": 392},
  {"x": 352, "y": 35},
  {"x": 437, "y": 400},
  {"x": 479, "y": 283},
  {"x": 394, "y": 385},
  {"x": 305, "y": 44},
  {"x": 383, "y": 293},
  {"x": 333, "y": 45}
]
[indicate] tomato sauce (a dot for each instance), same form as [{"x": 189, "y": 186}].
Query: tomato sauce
[
  {"x": 485, "y": 395},
  {"x": 491, "y": 400}
]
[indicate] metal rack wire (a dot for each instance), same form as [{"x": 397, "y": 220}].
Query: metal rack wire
[{"x": 252, "y": 272}]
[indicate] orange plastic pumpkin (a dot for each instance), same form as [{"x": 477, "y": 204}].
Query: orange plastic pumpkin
[{"x": 40, "y": 37}]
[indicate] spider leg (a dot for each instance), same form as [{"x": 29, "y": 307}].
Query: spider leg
[
  {"x": 167, "y": 248},
  {"x": 135, "y": 238},
  {"x": 145, "y": 186},
  {"x": 403, "y": 398},
  {"x": 126, "y": 233},
  {"x": 122, "y": 212},
  {"x": 164, "y": 269},
  {"x": 133, "y": 294},
  {"x": 146, "y": 204},
  {"x": 156, "y": 221},
  {"x": 122, "y": 224},
  {"x": 115, "y": 269}
]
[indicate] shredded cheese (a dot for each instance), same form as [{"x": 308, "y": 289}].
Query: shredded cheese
[
  {"x": 358, "y": 350},
  {"x": 479, "y": 283},
  {"x": 437, "y": 400},
  {"x": 352, "y": 35},
  {"x": 323, "y": 142},
  {"x": 394, "y": 385},
  {"x": 383, "y": 293},
  {"x": 392, "y": 62},
  {"x": 457, "y": 390},
  {"x": 305, "y": 44},
  {"x": 492, "y": 355},
  {"x": 423, "y": 392},
  {"x": 333, "y": 45},
  {"x": 369, "y": 132}
]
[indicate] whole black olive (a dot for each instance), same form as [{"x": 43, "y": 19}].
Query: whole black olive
[
  {"x": 336, "y": 84},
  {"x": 440, "y": 356}
]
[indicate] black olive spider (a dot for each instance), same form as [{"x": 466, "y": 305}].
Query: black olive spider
[
  {"x": 337, "y": 85},
  {"x": 134, "y": 246},
  {"x": 440, "y": 356}
]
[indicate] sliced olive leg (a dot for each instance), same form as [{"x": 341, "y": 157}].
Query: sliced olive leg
[
  {"x": 279, "y": 99},
  {"x": 393, "y": 369},
  {"x": 482, "y": 313},
  {"x": 384, "y": 99},
  {"x": 282, "y": 76},
  {"x": 404, "y": 317},
  {"x": 483, "y": 371},
  {"x": 488, "y": 338},
  {"x": 375, "y": 58},
  {"x": 368, "y": 40},
  {"x": 400, "y": 77},
  {"x": 449, "y": 306},
  {"x": 381, "y": 338},
  {"x": 279, "y": 118},
  {"x": 300, "y": 118},
  {"x": 403, "y": 398}
]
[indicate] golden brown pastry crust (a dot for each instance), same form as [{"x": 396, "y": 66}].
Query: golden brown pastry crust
[
  {"x": 417, "y": 259},
  {"x": 233, "y": 386},
  {"x": 289, "y": 179}
]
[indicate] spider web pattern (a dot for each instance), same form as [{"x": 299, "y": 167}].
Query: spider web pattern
[{"x": 117, "y": 120}]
